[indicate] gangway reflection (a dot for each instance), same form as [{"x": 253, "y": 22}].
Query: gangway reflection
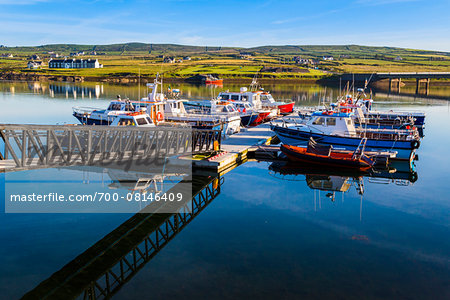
[{"x": 104, "y": 268}]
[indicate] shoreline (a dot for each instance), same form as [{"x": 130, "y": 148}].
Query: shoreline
[{"x": 328, "y": 81}]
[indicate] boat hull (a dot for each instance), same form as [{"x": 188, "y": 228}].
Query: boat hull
[
  {"x": 262, "y": 117},
  {"x": 87, "y": 120},
  {"x": 404, "y": 149},
  {"x": 298, "y": 154},
  {"x": 215, "y": 82},
  {"x": 286, "y": 108},
  {"x": 249, "y": 119}
]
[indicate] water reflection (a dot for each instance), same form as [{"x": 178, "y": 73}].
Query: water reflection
[
  {"x": 340, "y": 181},
  {"x": 102, "y": 270}
]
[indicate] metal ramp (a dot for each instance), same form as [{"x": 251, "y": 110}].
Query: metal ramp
[{"x": 39, "y": 146}]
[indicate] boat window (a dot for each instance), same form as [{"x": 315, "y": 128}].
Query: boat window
[
  {"x": 115, "y": 107},
  {"x": 129, "y": 107},
  {"x": 235, "y": 97},
  {"x": 331, "y": 121},
  {"x": 349, "y": 122},
  {"x": 123, "y": 122},
  {"x": 225, "y": 97},
  {"x": 319, "y": 121},
  {"x": 149, "y": 120},
  {"x": 141, "y": 121},
  {"x": 244, "y": 98}
]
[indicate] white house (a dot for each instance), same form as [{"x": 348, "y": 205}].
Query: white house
[
  {"x": 34, "y": 64},
  {"x": 328, "y": 58},
  {"x": 74, "y": 63}
]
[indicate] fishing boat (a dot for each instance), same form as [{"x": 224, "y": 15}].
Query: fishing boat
[
  {"x": 338, "y": 129},
  {"x": 116, "y": 108},
  {"x": 326, "y": 155},
  {"x": 284, "y": 107},
  {"x": 249, "y": 115},
  {"x": 222, "y": 117},
  {"x": 254, "y": 98},
  {"x": 205, "y": 79},
  {"x": 364, "y": 102}
]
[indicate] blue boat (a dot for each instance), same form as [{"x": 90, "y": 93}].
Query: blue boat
[{"x": 338, "y": 129}]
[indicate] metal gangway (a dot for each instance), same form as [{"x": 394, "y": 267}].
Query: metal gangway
[{"x": 39, "y": 146}]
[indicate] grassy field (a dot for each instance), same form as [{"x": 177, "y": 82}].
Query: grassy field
[{"x": 129, "y": 60}]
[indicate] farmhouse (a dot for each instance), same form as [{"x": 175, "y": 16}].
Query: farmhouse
[
  {"x": 301, "y": 61},
  {"x": 73, "y": 63},
  {"x": 169, "y": 60},
  {"x": 34, "y": 64},
  {"x": 328, "y": 58}
]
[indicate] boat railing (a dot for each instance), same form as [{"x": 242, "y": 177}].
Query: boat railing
[
  {"x": 387, "y": 135},
  {"x": 84, "y": 109}
]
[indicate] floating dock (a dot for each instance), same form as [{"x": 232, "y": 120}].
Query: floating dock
[{"x": 235, "y": 148}]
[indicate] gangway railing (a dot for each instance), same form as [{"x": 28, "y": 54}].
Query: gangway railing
[{"x": 33, "y": 145}]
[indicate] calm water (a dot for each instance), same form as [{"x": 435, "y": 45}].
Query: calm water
[{"x": 273, "y": 231}]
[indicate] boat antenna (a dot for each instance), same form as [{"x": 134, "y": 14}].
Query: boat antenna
[
  {"x": 368, "y": 81},
  {"x": 353, "y": 84},
  {"x": 139, "y": 85}
]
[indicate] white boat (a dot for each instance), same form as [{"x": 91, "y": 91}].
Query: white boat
[
  {"x": 254, "y": 98},
  {"x": 175, "y": 111}
]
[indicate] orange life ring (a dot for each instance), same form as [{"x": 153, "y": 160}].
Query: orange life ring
[{"x": 159, "y": 116}]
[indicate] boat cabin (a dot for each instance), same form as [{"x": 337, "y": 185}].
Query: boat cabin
[
  {"x": 212, "y": 107},
  {"x": 243, "y": 106},
  {"x": 266, "y": 98},
  {"x": 331, "y": 123},
  {"x": 252, "y": 97},
  {"x": 173, "y": 107},
  {"x": 136, "y": 119}
]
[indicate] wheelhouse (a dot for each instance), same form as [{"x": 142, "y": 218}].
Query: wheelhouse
[
  {"x": 134, "y": 119},
  {"x": 332, "y": 123}
]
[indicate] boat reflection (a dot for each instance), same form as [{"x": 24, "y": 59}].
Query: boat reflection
[
  {"x": 341, "y": 180},
  {"x": 104, "y": 268}
]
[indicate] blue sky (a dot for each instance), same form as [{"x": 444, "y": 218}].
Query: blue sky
[{"x": 418, "y": 24}]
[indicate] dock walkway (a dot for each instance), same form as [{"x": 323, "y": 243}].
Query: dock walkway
[{"x": 236, "y": 147}]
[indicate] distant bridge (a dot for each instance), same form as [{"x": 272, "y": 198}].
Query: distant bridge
[{"x": 395, "y": 78}]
